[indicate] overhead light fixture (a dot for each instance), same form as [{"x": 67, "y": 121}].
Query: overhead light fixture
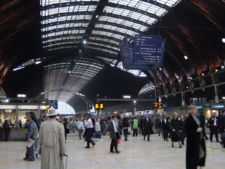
[
  {"x": 216, "y": 70},
  {"x": 203, "y": 74},
  {"x": 186, "y": 57},
  {"x": 21, "y": 95},
  {"x": 69, "y": 72},
  {"x": 187, "y": 87},
  {"x": 18, "y": 68},
  {"x": 223, "y": 40},
  {"x": 37, "y": 62},
  {"x": 134, "y": 101},
  {"x": 97, "y": 16},
  {"x": 5, "y": 101},
  {"x": 222, "y": 67},
  {"x": 160, "y": 69},
  {"x": 84, "y": 42}
]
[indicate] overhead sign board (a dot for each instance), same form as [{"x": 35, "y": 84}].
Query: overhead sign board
[
  {"x": 142, "y": 52},
  {"x": 53, "y": 103}
]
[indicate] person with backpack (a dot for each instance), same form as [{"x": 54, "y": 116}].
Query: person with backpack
[{"x": 32, "y": 132}]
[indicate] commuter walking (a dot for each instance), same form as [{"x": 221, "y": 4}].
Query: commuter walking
[
  {"x": 223, "y": 129},
  {"x": 196, "y": 150},
  {"x": 126, "y": 126},
  {"x": 114, "y": 132},
  {"x": 6, "y": 128},
  {"x": 147, "y": 127},
  {"x": 80, "y": 127},
  {"x": 52, "y": 141},
  {"x": 165, "y": 128},
  {"x": 32, "y": 132},
  {"x": 89, "y": 129},
  {"x": 135, "y": 127},
  {"x": 176, "y": 130},
  {"x": 213, "y": 126}
]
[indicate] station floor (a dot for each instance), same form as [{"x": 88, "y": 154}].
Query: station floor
[{"x": 135, "y": 154}]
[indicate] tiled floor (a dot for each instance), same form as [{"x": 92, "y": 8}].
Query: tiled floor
[{"x": 135, "y": 154}]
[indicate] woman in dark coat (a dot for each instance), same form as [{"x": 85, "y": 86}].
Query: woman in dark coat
[
  {"x": 175, "y": 130},
  {"x": 196, "y": 150}
]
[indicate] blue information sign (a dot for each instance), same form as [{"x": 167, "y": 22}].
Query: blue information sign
[
  {"x": 142, "y": 52},
  {"x": 53, "y": 103}
]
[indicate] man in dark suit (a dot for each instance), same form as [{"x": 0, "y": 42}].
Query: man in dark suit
[
  {"x": 165, "y": 128},
  {"x": 213, "y": 126},
  {"x": 223, "y": 128},
  {"x": 147, "y": 127},
  {"x": 114, "y": 132}
]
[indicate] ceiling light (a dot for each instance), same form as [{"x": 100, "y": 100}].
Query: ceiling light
[
  {"x": 160, "y": 69},
  {"x": 69, "y": 72},
  {"x": 216, "y": 70},
  {"x": 187, "y": 87},
  {"x": 18, "y": 68},
  {"x": 223, "y": 40},
  {"x": 21, "y": 95},
  {"x": 222, "y": 67},
  {"x": 37, "y": 62},
  {"x": 203, "y": 74},
  {"x": 84, "y": 42},
  {"x": 186, "y": 57}
]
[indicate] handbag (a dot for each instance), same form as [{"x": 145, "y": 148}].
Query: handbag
[{"x": 117, "y": 141}]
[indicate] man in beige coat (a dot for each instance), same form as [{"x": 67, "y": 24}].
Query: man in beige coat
[{"x": 52, "y": 141}]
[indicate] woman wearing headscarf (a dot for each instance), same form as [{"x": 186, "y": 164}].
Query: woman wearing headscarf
[{"x": 196, "y": 150}]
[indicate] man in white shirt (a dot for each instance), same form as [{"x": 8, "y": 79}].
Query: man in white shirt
[
  {"x": 89, "y": 129},
  {"x": 213, "y": 125}
]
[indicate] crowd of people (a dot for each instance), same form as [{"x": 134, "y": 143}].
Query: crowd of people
[{"x": 47, "y": 136}]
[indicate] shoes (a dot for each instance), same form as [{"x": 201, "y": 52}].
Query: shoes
[
  {"x": 117, "y": 151},
  {"x": 180, "y": 146},
  {"x": 93, "y": 145},
  {"x": 26, "y": 159},
  {"x": 87, "y": 147},
  {"x": 111, "y": 151}
]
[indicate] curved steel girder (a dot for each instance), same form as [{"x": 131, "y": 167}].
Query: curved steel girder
[
  {"x": 111, "y": 55},
  {"x": 62, "y": 36},
  {"x": 65, "y": 22},
  {"x": 74, "y": 40},
  {"x": 119, "y": 26},
  {"x": 70, "y": 46},
  {"x": 157, "y": 4},
  {"x": 82, "y": 34},
  {"x": 133, "y": 9},
  {"x": 111, "y": 31},
  {"x": 103, "y": 47},
  {"x": 64, "y": 29},
  {"x": 126, "y": 18},
  {"x": 67, "y": 14},
  {"x": 67, "y": 4}
]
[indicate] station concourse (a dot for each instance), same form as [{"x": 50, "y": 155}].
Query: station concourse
[{"x": 103, "y": 84}]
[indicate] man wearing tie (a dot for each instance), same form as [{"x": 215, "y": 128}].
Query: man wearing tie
[
  {"x": 213, "y": 125},
  {"x": 113, "y": 128}
]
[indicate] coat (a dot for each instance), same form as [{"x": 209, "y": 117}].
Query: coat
[
  {"x": 148, "y": 126},
  {"x": 112, "y": 133},
  {"x": 194, "y": 142},
  {"x": 52, "y": 141}
]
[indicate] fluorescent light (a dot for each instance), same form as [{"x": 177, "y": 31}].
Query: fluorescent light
[
  {"x": 21, "y": 95},
  {"x": 223, "y": 40},
  {"x": 84, "y": 42},
  {"x": 223, "y": 97},
  {"x": 134, "y": 101},
  {"x": 222, "y": 67},
  {"x": 37, "y": 62},
  {"x": 126, "y": 96},
  {"x": 186, "y": 57},
  {"x": 18, "y": 68}
]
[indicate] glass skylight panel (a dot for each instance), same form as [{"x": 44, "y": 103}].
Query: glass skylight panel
[
  {"x": 103, "y": 50},
  {"x": 103, "y": 33},
  {"x": 170, "y": 3},
  {"x": 104, "y": 40},
  {"x": 102, "y": 45}
]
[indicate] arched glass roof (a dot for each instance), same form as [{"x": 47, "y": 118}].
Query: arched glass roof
[{"x": 103, "y": 22}]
